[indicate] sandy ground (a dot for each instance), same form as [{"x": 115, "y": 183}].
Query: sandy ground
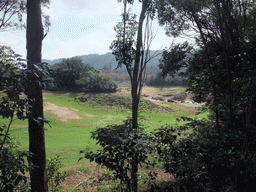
[{"x": 63, "y": 113}]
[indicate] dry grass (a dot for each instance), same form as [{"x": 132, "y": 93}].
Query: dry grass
[{"x": 94, "y": 178}]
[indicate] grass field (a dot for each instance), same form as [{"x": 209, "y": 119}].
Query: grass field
[{"x": 73, "y": 121}]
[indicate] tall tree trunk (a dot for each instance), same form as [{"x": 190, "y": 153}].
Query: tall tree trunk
[
  {"x": 135, "y": 92},
  {"x": 36, "y": 130}
]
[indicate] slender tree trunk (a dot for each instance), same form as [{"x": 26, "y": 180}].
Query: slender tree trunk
[
  {"x": 135, "y": 93},
  {"x": 36, "y": 130}
]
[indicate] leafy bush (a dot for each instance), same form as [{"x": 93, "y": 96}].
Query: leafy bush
[
  {"x": 120, "y": 144},
  {"x": 54, "y": 176},
  {"x": 13, "y": 166},
  {"x": 201, "y": 159}
]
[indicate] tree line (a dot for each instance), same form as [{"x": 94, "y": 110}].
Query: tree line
[{"x": 73, "y": 74}]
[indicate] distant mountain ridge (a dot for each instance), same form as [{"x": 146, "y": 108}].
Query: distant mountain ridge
[{"x": 99, "y": 61}]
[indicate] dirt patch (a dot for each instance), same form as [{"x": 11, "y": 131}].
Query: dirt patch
[
  {"x": 63, "y": 113},
  {"x": 170, "y": 95}
]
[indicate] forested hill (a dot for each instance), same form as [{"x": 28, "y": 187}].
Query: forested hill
[{"x": 99, "y": 61}]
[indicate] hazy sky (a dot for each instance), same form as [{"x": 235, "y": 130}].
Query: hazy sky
[{"x": 80, "y": 27}]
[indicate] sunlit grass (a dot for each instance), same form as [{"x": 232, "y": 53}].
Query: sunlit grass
[{"x": 67, "y": 138}]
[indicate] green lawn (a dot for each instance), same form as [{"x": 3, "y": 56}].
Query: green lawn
[{"x": 68, "y": 138}]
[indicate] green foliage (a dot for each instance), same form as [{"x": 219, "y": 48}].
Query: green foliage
[
  {"x": 120, "y": 144},
  {"x": 84, "y": 169},
  {"x": 159, "y": 80},
  {"x": 96, "y": 81},
  {"x": 11, "y": 14},
  {"x": 107, "y": 175},
  {"x": 72, "y": 74},
  {"x": 222, "y": 70},
  {"x": 174, "y": 59},
  {"x": 14, "y": 82},
  {"x": 64, "y": 78},
  {"x": 13, "y": 166},
  {"x": 147, "y": 181},
  {"x": 12, "y": 104},
  {"x": 54, "y": 176},
  {"x": 205, "y": 160},
  {"x": 124, "y": 46},
  {"x": 74, "y": 65}
]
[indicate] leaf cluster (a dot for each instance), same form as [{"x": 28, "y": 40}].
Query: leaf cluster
[
  {"x": 124, "y": 47},
  {"x": 54, "y": 176},
  {"x": 12, "y": 104},
  {"x": 201, "y": 159},
  {"x": 120, "y": 145},
  {"x": 10, "y": 9},
  {"x": 13, "y": 166},
  {"x": 11, "y": 85}
]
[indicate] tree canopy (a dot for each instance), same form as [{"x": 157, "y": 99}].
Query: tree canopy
[
  {"x": 221, "y": 68},
  {"x": 72, "y": 73},
  {"x": 12, "y": 13}
]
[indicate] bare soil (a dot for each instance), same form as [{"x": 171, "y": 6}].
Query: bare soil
[{"x": 64, "y": 114}]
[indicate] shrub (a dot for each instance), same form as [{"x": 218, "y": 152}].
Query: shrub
[
  {"x": 13, "y": 166},
  {"x": 203, "y": 159},
  {"x": 120, "y": 144},
  {"x": 54, "y": 176}
]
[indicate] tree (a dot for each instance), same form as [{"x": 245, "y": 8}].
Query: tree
[
  {"x": 74, "y": 64},
  {"x": 72, "y": 73},
  {"x": 222, "y": 67},
  {"x": 35, "y": 37},
  {"x": 12, "y": 105},
  {"x": 134, "y": 55},
  {"x": 220, "y": 27},
  {"x": 11, "y": 13}
]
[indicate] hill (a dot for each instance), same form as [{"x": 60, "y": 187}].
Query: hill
[{"x": 99, "y": 61}]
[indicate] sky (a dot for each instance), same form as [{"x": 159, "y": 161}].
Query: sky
[{"x": 80, "y": 27}]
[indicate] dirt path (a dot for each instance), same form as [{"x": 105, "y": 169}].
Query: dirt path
[{"x": 63, "y": 113}]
